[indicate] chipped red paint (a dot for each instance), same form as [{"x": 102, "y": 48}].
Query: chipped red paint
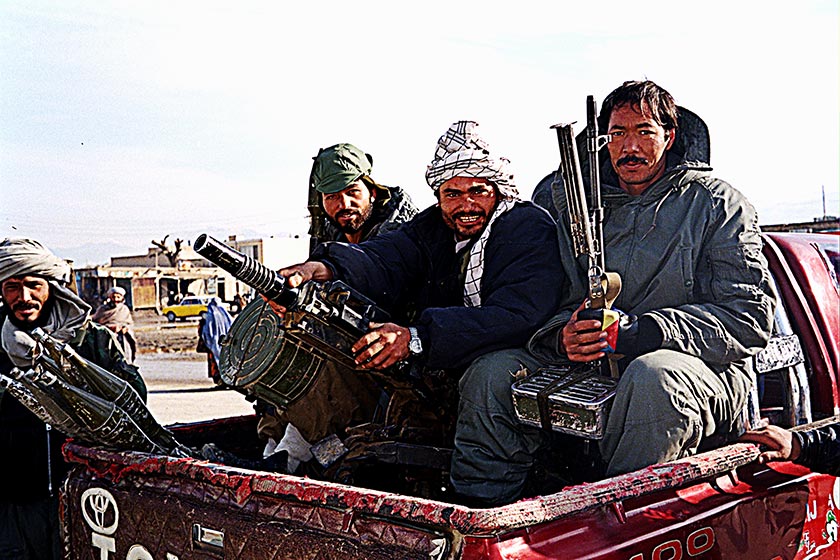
[
  {"x": 673, "y": 500},
  {"x": 118, "y": 466},
  {"x": 716, "y": 505}
]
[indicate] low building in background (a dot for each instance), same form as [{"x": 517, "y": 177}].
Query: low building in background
[
  {"x": 824, "y": 224},
  {"x": 151, "y": 282}
]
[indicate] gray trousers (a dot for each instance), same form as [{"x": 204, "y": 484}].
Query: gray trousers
[
  {"x": 667, "y": 406},
  {"x": 493, "y": 450}
]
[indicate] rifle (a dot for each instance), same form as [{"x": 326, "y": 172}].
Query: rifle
[
  {"x": 576, "y": 399},
  {"x": 586, "y": 227},
  {"x": 327, "y": 316},
  {"x": 317, "y": 219}
]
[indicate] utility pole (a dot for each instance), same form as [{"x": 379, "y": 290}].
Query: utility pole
[{"x": 825, "y": 216}]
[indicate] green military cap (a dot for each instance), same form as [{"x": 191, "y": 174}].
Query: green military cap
[{"x": 337, "y": 167}]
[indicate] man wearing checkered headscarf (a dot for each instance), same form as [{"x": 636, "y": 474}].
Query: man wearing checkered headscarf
[
  {"x": 461, "y": 152},
  {"x": 465, "y": 281}
]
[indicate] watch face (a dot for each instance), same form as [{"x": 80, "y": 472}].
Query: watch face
[{"x": 415, "y": 346}]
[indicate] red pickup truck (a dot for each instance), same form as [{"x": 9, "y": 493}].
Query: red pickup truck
[{"x": 719, "y": 504}]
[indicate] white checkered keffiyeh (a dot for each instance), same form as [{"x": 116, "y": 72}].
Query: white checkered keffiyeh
[
  {"x": 462, "y": 153},
  {"x": 475, "y": 266}
]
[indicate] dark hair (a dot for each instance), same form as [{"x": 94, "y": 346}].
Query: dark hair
[{"x": 647, "y": 96}]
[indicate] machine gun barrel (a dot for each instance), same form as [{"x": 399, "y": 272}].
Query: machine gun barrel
[
  {"x": 579, "y": 219},
  {"x": 334, "y": 301},
  {"x": 586, "y": 227},
  {"x": 248, "y": 270}
]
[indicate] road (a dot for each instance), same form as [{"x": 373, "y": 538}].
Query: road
[{"x": 180, "y": 391}]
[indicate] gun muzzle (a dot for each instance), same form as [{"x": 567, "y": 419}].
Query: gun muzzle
[{"x": 245, "y": 269}]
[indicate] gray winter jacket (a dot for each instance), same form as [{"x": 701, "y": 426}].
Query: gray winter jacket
[{"x": 689, "y": 254}]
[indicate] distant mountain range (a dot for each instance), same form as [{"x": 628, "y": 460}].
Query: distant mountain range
[
  {"x": 97, "y": 254},
  {"x": 93, "y": 254}
]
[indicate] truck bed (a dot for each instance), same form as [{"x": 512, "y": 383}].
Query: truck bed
[{"x": 187, "y": 508}]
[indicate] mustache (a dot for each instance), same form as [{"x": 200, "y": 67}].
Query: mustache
[
  {"x": 23, "y": 306},
  {"x": 347, "y": 213},
  {"x": 631, "y": 159}
]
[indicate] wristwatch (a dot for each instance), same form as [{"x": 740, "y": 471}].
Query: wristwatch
[{"x": 415, "y": 345}]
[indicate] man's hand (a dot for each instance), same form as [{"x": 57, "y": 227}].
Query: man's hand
[
  {"x": 297, "y": 274},
  {"x": 385, "y": 345},
  {"x": 583, "y": 341},
  {"x": 781, "y": 443}
]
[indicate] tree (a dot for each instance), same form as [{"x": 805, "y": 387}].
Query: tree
[{"x": 170, "y": 252}]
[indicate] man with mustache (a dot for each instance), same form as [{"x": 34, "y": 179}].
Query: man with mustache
[
  {"x": 357, "y": 207},
  {"x": 695, "y": 286},
  {"x": 467, "y": 282},
  {"x": 33, "y": 283}
]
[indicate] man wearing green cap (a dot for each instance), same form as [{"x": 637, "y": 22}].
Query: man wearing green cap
[{"x": 356, "y": 207}]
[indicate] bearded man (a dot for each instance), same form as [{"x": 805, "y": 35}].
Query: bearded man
[
  {"x": 357, "y": 207},
  {"x": 34, "y": 289},
  {"x": 116, "y": 315},
  {"x": 468, "y": 281}
]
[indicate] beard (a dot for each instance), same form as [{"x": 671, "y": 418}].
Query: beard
[{"x": 351, "y": 221}]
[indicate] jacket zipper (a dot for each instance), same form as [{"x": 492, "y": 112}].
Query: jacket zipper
[{"x": 49, "y": 462}]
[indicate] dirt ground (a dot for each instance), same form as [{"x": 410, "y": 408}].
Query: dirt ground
[
  {"x": 176, "y": 375},
  {"x": 155, "y": 334}
]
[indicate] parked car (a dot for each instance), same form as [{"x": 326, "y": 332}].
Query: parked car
[{"x": 190, "y": 306}]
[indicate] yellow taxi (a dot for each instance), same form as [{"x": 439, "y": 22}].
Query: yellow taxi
[{"x": 190, "y": 306}]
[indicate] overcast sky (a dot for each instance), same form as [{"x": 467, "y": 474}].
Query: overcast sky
[{"x": 124, "y": 122}]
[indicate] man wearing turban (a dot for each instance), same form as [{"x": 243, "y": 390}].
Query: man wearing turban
[
  {"x": 33, "y": 283},
  {"x": 468, "y": 280},
  {"x": 116, "y": 315}
]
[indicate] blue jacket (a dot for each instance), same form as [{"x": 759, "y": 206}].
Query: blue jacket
[{"x": 414, "y": 273}]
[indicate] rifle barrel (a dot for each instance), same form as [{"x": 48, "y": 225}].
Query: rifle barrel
[{"x": 579, "y": 219}]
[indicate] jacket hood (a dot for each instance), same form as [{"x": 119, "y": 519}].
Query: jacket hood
[{"x": 691, "y": 149}]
